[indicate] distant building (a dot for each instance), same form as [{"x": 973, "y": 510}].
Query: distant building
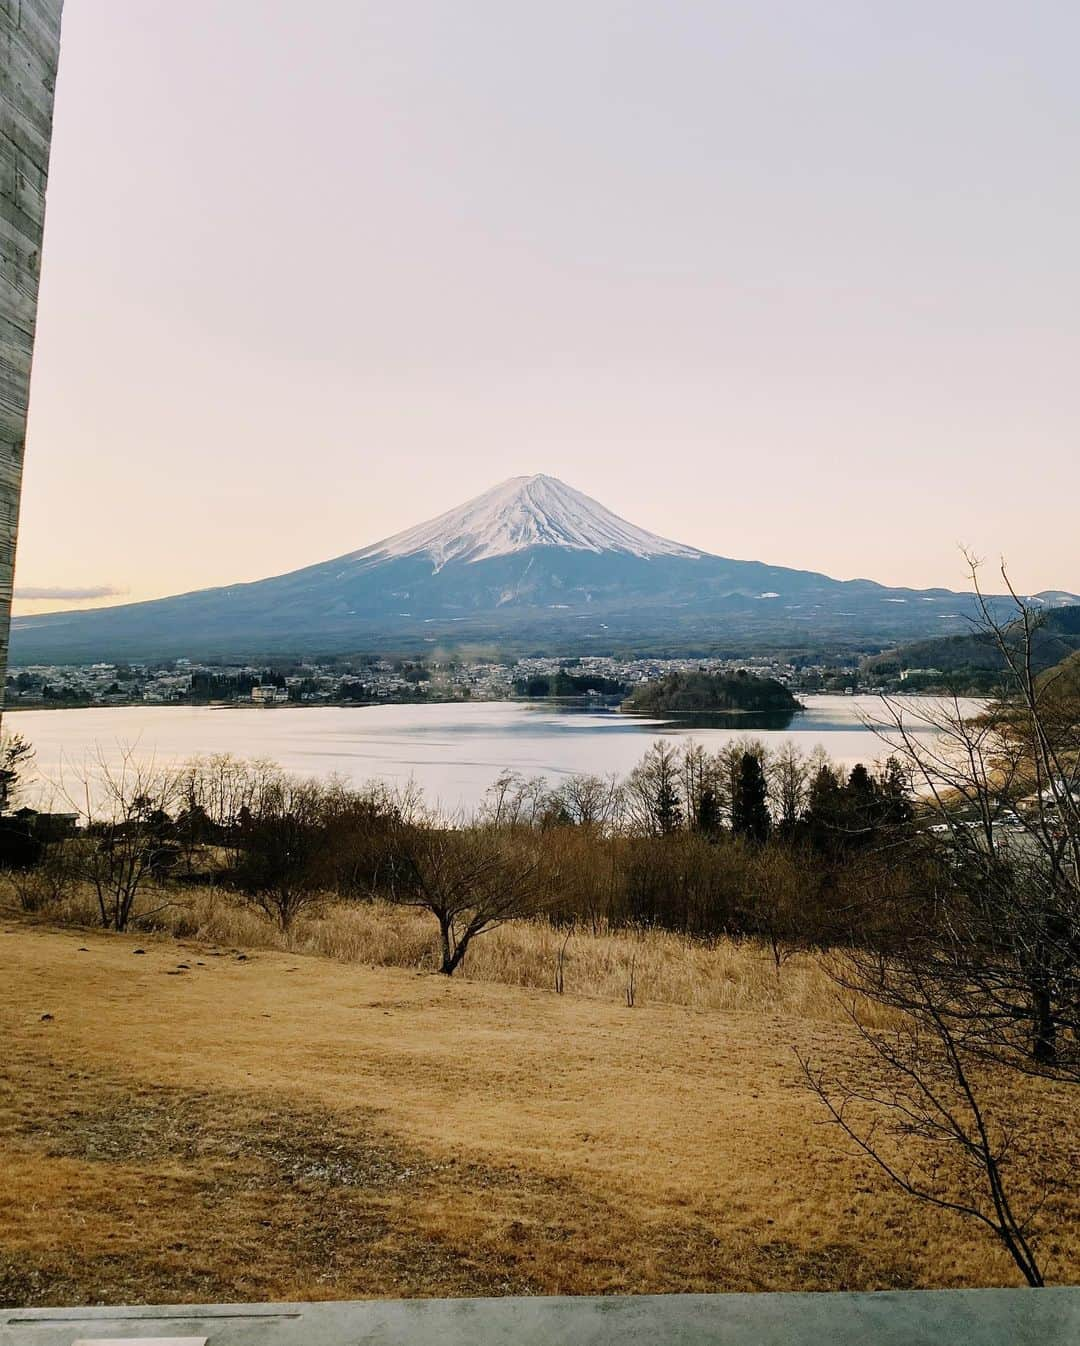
[
  {"x": 47, "y": 826},
  {"x": 268, "y": 696}
]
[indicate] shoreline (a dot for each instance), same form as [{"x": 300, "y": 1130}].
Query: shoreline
[{"x": 584, "y": 703}]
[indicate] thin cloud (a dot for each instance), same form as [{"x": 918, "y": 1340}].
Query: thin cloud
[{"x": 71, "y": 595}]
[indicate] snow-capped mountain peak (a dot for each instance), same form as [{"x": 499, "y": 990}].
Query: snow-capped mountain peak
[
  {"x": 523, "y": 512},
  {"x": 553, "y": 570}
]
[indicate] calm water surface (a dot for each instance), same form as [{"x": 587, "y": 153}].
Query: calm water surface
[{"x": 453, "y": 751}]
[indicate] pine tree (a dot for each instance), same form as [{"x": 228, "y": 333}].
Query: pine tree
[
  {"x": 668, "y": 807},
  {"x": 749, "y": 808},
  {"x": 860, "y": 787},
  {"x": 823, "y": 820},
  {"x": 860, "y": 806},
  {"x": 893, "y": 789},
  {"x": 708, "y": 812}
]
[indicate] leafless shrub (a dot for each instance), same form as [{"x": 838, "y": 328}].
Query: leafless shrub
[{"x": 42, "y": 887}]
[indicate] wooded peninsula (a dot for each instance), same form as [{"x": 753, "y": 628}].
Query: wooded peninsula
[{"x": 695, "y": 692}]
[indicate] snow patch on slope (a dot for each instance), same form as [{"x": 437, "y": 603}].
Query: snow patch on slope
[{"x": 538, "y": 511}]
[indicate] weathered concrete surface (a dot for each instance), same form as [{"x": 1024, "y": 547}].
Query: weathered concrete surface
[
  {"x": 919, "y": 1318},
  {"x": 29, "y": 51}
]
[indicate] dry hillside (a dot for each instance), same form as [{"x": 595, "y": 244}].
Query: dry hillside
[{"x": 193, "y": 1123}]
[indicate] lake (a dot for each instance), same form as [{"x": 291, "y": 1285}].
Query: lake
[{"x": 453, "y": 751}]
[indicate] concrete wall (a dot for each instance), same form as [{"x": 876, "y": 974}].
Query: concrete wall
[
  {"x": 909, "y": 1318},
  {"x": 29, "y": 49}
]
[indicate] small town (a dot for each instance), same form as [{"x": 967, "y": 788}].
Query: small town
[{"x": 373, "y": 680}]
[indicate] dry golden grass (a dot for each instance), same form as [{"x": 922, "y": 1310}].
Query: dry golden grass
[
  {"x": 667, "y": 968},
  {"x": 193, "y": 1122}
]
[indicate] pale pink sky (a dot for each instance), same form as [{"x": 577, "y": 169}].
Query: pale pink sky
[{"x": 784, "y": 281}]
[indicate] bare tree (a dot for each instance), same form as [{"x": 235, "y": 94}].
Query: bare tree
[
  {"x": 128, "y": 840},
  {"x": 985, "y": 984},
  {"x": 788, "y": 771},
  {"x": 284, "y": 859},
  {"x": 1001, "y": 790},
  {"x": 560, "y": 962},
  {"x": 216, "y": 792},
  {"x": 515, "y": 800},
  {"x": 471, "y": 879},
  {"x": 775, "y": 899},
  {"x": 580, "y": 866},
  {"x": 653, "y": 792},
  {"x": 589, "y": 801},
  {"x": 929, "y": 1124}
]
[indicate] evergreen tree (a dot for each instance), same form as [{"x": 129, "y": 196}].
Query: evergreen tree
[
  {"x": 896, "y": 807},
  {"x": 844, "y": 817},
  {"x": 860, "y": 787},
  {"x": 708, "y": 812},
  {"x": 749, "y": 808},
  {"x": 668, "y": 807},
  {"x": 824, "y": 808},
  {"x": 860, "y": 806}
]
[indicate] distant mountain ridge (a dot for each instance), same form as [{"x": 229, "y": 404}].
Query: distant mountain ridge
[
  {"x": 1052, "y": 642},
  {"x": 531, "y": 562}
]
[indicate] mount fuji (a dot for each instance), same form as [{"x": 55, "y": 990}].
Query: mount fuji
[{"x": 531, "y": 563}]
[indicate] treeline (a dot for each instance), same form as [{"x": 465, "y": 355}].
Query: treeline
[
  {"x": 568, "y": 684},
  {"x": 206, "y": 686},
  {"x": 741, "y": 842}
]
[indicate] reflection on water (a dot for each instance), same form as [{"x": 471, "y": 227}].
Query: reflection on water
[
  {"x": 453, "y": 751},
  {"x": 743, "y": 722}
]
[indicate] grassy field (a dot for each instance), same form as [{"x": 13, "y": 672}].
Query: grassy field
[
  {"x": 205, "y": 1120},
  {"x": 666, "y": 968}
]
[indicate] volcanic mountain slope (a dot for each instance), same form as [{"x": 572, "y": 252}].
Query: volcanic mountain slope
[{"x": 531, "y": 562}]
